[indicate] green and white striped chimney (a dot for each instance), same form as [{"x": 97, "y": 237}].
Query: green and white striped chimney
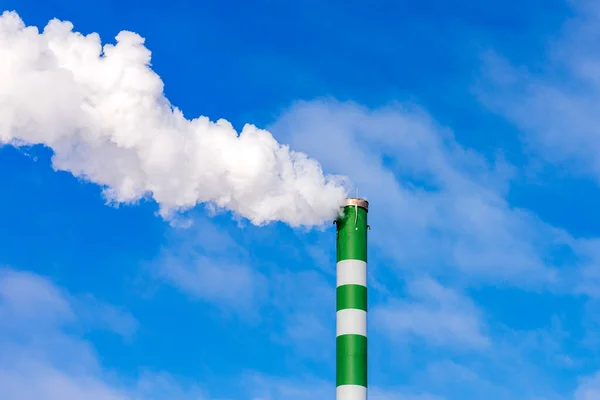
[{"x": 351, "y": 317}]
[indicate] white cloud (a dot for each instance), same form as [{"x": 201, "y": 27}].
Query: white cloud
[{"x": 102, "y": 111}]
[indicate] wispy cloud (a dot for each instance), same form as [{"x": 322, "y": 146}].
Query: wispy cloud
[
  {"x": 554, "y": 104},
  {"x": 436, "y": 206},
  {"x": 219, "y": 282},
  {"x": 208, "y": 265},
  {"x": 555, "y": 107},
  {"x": 99, "y": 315},
  {"x": 296, "y": 304},
  {"x": 30, "y": 298},
  {"x": 437, "y": 315},
  {"x": 589, "y": 388},
  {"x": 305, "y": 388},
  {"x": 304, "y": 302},
  {"x": 42, "y": 357}
]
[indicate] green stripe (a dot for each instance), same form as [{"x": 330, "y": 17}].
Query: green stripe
[
  {"x": 351, "y": 359},
  {"x": 352, "y": 235},
  {"x": 351, "y": 296}
]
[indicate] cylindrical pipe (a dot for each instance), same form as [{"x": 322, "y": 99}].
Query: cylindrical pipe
[{"x": 351, "y": 316}]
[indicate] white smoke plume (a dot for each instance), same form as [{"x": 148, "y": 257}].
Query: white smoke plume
[{"x": 102, "y": 111}]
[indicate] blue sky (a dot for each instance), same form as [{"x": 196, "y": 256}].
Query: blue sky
[{"x": 469, "y": 126}]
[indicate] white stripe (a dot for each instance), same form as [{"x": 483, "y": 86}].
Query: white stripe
[
  {"x": 351, "y": 322},
  {"x": 351, "y": 392},
  {"x": 351, "y": 272}
]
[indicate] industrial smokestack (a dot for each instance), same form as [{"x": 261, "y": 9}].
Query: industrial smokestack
[{"x": 351, "y": 287}]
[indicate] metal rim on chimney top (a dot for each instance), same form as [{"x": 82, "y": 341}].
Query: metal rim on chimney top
[{"x": 355, "y": 201}]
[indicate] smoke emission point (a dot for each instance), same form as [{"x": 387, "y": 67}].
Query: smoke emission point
[
  {"x": 102, "y": 111},
  {"x": 356, "y": 202}
]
